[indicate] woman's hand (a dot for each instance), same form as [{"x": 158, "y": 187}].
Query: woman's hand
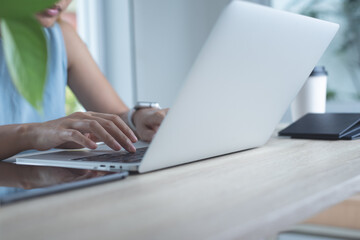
[
  {"x": 147, "y": 121},
  {"x": 82, "y": 129}
]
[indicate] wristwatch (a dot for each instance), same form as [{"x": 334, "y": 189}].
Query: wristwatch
[{"x": 140, "y": 105}]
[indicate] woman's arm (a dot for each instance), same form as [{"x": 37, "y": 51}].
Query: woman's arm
[
  {"x": 94, "y": 91},
  {"x": 13, "y": 139},
  {"x": 85, "y": 78},
  {"x": 76, "y": 130}
]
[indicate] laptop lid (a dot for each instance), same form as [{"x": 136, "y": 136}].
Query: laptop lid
[{"x": 253, "y": 64}]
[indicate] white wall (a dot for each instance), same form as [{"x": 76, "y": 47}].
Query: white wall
[
  {"x": 106, "y": 28},
  {"x": 119, "y": 67}
]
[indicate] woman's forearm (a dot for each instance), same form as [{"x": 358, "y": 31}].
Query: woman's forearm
[{"x": 14, "y": 139}]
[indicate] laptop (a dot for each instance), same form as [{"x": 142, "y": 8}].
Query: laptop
[{"x": 251, "y": 67}]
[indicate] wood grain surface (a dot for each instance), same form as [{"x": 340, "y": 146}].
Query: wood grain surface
[
  {"x": 343, "y": 215},
  {"x": 246, "y": 195}
]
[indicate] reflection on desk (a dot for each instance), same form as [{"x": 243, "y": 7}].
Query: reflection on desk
[
  {"x": 18, "y": 182},
  {"x": 28, "y": 177}
]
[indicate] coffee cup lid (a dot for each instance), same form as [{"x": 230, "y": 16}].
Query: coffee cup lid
[{"x": 319, "y": 71}]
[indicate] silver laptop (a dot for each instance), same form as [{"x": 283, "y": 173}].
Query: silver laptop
[{"x": 251, "y": 67}]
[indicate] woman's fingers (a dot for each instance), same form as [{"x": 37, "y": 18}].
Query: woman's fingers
[
  {"x": 118, "y": 122},
  {"x": 92, "y": 126},
  {"x": 148, "y": 135},
  {"x": 69, "y": 145},
  {"x": 117, "y": 134},
  {"x": 104, "y": 130},
  {"x": 111, "y": 117},
  {"x": 71, "y": 135},
  {"x": 149, "y": 118},
  {"x": 92, "y": 137}
]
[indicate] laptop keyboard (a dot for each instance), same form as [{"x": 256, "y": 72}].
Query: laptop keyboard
[{"x": 118, "y": 157}]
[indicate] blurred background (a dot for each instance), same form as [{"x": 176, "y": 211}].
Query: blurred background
[{"x": 146, "y": 47}]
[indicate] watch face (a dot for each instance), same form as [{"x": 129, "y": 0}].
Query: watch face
[{"x": 147, "y": 105}]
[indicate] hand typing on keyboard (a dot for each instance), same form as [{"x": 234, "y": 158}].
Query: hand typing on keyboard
[{"x": 147, "y": 122}]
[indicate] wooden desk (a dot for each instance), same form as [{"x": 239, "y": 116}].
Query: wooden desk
[
  {"x": 343, "y": 215},
  {"x": 246, "y": 195}
]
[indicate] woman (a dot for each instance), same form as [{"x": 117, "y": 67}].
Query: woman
[{"x": 23, "y": 128}]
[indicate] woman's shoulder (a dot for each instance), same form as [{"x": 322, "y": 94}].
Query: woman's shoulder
[
  {"x": 68, "y": 32},
  {"x": 71, "y": 39},
  {"x": 66, "y": 28}
]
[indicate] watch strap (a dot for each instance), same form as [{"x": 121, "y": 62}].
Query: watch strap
[{"x": 129, "y": 119}]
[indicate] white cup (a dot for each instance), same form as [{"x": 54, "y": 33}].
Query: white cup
[{"x": 312, "y": 96}]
